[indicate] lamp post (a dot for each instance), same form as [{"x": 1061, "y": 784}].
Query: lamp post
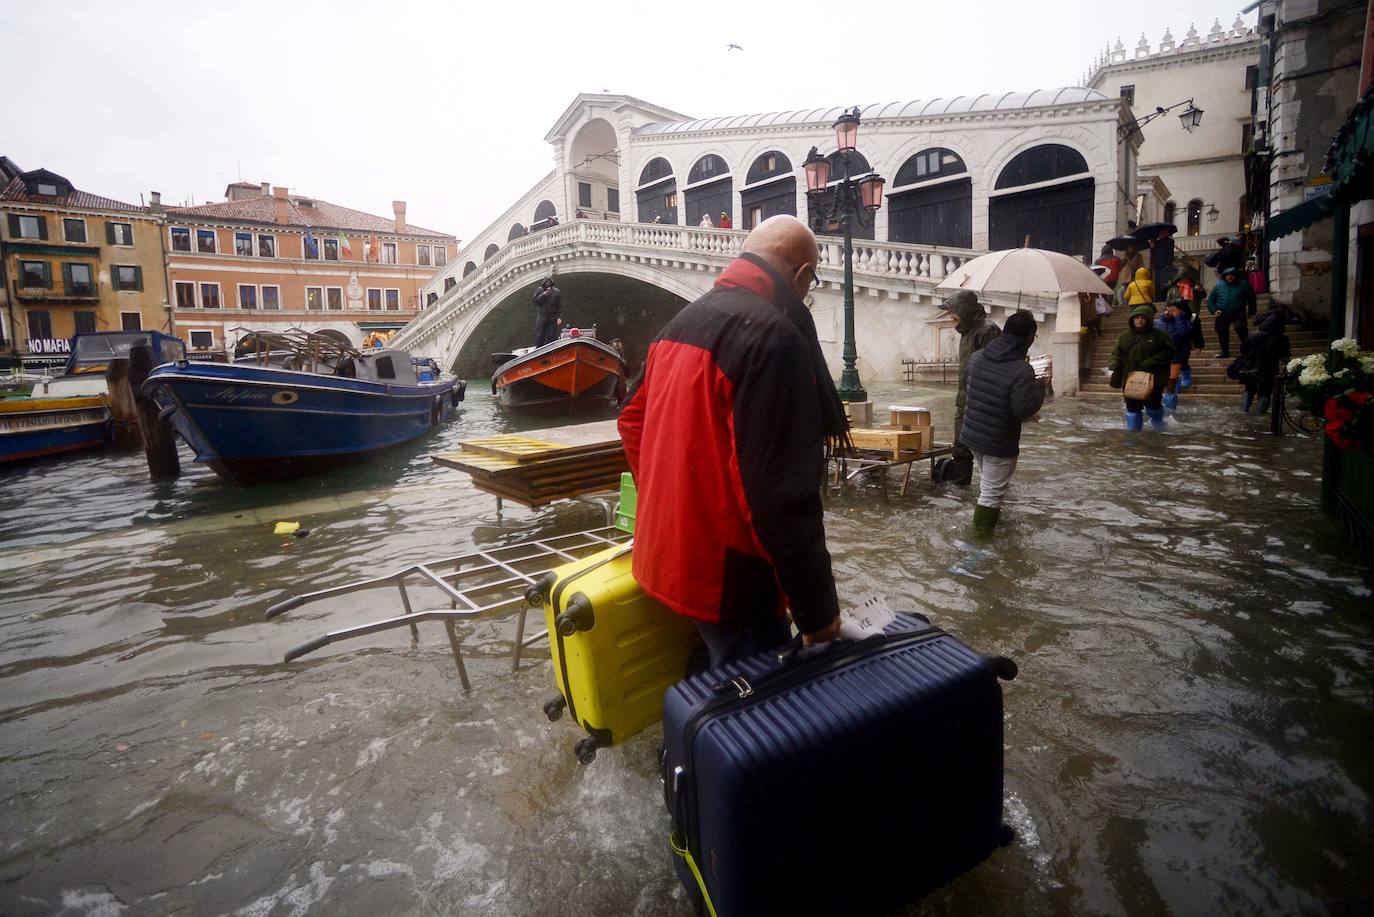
[
  {"x": 853, "y": 200},
  {"x": 1190, "y": 119}
]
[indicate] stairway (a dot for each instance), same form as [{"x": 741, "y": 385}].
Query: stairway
[{"x": 1209, "y": 370}]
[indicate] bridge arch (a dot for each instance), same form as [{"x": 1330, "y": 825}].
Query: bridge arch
[
  {"x": 469, "y": 268},
  {"x": 544, "y": 209},
  {"x": 656, "y": 193},
  {"x": 492, "y": 249},
  {"x": 516, "y": 231},
  {"x": 1055, "y": 210},
  {"x": 710, "y": 190},
  {"x": 931, "y": 200},
  {"x": 770, "y": 188}
]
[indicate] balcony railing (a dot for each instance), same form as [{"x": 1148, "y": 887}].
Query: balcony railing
[{"x": 59, "y": 291}]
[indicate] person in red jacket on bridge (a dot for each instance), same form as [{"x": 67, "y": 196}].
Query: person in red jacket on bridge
[{"x": 726, "y": 430}]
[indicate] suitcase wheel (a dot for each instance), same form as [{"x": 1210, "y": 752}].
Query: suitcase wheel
[
  {"x": 1002, "y": 667},
  {"x": 536, "y": 594},
  {"x": 554, "y": 709},
  {"x": 585, "y": 749},
  {"x": 577, "y": 615}
]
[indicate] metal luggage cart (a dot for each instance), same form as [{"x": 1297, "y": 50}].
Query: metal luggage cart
[{"x": 480, "y": 582}]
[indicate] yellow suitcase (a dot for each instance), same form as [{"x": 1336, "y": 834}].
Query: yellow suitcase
[{"x": 615, "y": 650}]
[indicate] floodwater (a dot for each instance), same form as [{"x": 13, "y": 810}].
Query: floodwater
[{"x": 1190, "y": 731}]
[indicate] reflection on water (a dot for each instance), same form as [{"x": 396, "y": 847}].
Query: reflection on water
[{"x": 1190, "y": 729}]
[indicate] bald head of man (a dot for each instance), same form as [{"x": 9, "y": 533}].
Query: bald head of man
[{"x": 788, "y": 246}]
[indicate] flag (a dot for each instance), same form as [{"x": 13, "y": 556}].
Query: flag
[
  {"x": 344, "y": 246},
  {"x": 312, "y": 249}
]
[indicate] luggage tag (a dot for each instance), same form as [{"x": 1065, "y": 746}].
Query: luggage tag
[{"x": 869, "y": 617}]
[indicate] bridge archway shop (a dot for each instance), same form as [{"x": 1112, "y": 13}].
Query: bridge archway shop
[
  {"x": 931, "y": 202},
  {"x": 710, "y": 190},
  {"x": 1046, "y": 193},
  {"x": 656, "y": 193},
  {"x": 769, "y": 189}
]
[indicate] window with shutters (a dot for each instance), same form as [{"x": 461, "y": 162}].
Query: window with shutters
[
  {"x": 393, "y": 300},
  {"x": 128, "y": 278},
  {"x": 181, "y": 239},
  {"x": 613, "y": 200},
  {"x": 120, "y": 233},
  {"x": 314, "y": 298},
  {"x": 243, "y": 244},
  {"x": 85, "y": 322},
  {"x": 267, "y": 246},
  {"x": 333, "y": 297},
  {"x": 440, "y": 256},
  {"x": 209, "y": 295},
  {"x": 74, "y": 229},
  {"x": 35, "y": 275},
  {"x": 40, "y": 324},
  {"x": 28, "y": 227},
  {"x": 185, "y": 293},
  {"x": 248, "y": 296},
  {"x": 374, "y": 299},
  {"x": 584, "y": 194},
  {"x": 131, "y": 321},
  {"x": 206, "y": 242},
  {"x": 79, "y": 279},
  {"x": 422, "y": 255},
  {"x": 202, "y": 340},
  {"x": 389, "y": 253}
]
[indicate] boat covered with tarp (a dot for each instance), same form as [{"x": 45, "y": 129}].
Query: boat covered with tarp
[{"x": 299, "y": 403}]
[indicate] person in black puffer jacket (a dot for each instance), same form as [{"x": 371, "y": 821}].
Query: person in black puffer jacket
[{"x": 1002, "y": 392}]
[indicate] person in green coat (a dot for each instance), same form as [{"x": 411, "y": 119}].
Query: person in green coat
[
  {"x": 1143, "y": 347},
  {"x": 976, "y": 331}
]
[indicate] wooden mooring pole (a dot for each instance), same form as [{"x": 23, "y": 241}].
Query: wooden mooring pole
[{"x": 135, "y": 417}]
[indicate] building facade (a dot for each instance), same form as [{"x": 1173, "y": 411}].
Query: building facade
[
  {"x": 1309, "y": 77},
  {"x": 268, "y": 259},
  {"x": 73, "y": 262}
]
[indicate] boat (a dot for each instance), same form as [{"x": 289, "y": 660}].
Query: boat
[
  {"x": 258, "y": 421},
  {"x": 70, "y": 412},
  {"x": 574, "y": 373}
]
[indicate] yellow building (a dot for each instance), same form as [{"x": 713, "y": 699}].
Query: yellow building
[{"x": 72, "y": 262}]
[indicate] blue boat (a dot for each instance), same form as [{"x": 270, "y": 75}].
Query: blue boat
[{"x": 255, "y": 420}]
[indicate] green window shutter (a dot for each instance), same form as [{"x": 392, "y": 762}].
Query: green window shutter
[
  {"x": 42, "y": 227},
  {"x": 67, "y": 279},
  {"x": 14, "y": 225},
  {"x": 109, "y": 233},
  {"x": 138, "y": 278}
]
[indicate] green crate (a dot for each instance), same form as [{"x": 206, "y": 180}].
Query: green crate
[{"x": 625, "y": 510}]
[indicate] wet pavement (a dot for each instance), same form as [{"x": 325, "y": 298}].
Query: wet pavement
[{"x": 1190, "y": 731}]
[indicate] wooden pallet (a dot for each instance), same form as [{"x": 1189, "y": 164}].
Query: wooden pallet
[{"x": 537, "y": 470}]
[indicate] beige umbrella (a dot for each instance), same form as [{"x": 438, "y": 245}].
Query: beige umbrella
[{"x": 1025, "y": 270}]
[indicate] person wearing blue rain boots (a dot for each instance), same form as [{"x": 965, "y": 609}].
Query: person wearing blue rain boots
[
  {"x": 1002, "y": 393},
  {"x": 1174, "y": 322},
  {"x": 1140, "y": 367}
]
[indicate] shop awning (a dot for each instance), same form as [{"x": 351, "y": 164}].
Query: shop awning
[{"x": 1300, "y": 217}]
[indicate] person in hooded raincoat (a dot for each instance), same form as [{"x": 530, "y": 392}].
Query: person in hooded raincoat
[
  {"x": 1187, "y": 291},
  {"x": 1143, "y": 347},
  {"x": 1178, "y": 325},
  {"x": 1141, "y": 290},
  {"x": 1229, "y": 301},
  {"x": 1262, "y": 354},
  {"x": 1131, "y": 262}
]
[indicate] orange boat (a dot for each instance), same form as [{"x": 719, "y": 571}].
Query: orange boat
[{"x": 574, "y": 373}]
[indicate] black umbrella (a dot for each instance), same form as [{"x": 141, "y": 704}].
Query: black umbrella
[
  {"x": 1151, "y": 230},
  {"x": 1120, "y": 242}
]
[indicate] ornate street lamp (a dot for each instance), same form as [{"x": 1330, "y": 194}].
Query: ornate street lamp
[
  {"x": 1190, "y": 120},
  {"x": 855, "y": 200}
]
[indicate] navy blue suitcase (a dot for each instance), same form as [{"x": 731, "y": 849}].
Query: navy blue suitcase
[{"x": 847, "y": 779}]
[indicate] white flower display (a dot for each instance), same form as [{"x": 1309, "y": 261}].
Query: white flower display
[
  {"x": 1313, "y": 375},
  {"x": 1314, "y": 359},
  {"x": 1294, "y": 364},
  {"x": 1367, "y": 365},
  {"x": 1342, "y": 373},
  {"x": 1346, "y": 345}
]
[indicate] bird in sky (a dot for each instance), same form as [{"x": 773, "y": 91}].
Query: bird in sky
[{"x": 733, "y": 47}]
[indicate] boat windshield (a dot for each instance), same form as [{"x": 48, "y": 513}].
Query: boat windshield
[{"x": 97, "y": 350}]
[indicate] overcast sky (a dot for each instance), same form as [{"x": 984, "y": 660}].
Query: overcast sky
[{"x": 445, "y": 105}]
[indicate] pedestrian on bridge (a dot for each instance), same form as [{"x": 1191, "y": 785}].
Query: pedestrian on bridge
[
  {"x": 548, "y": 308},
  {"x": 1230, "y": 301},
  {"x": 1142, "y": 348}
]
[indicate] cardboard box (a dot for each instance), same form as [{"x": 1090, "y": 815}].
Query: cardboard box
[
  {"x": 892, "y": 441},
  {"x": 860, "y": 413}
]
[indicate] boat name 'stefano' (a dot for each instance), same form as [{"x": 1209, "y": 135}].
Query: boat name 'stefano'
[{"x": 230, "y": 395}]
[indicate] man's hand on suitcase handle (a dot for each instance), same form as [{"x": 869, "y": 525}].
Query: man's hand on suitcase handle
[{"x": 824, "y": 635}]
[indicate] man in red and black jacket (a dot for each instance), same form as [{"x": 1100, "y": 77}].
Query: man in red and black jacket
[{"x": 726, "y": 431}]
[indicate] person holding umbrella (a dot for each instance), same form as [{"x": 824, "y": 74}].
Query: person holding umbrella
[
  {"x": 976, "y": 331},
  {"x": 1161, "y": 256}
]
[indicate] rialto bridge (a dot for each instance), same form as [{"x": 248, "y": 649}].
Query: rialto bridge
[{"x": 963, "y": 176}]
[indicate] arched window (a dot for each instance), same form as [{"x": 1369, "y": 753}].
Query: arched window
[
  {"x": 927, "y": 211},
  {"x": 1047, "y": 162},
  {"x": 1195, "y": 217},
  {"x": 858, "y": 165},
  {"x": 469, "y": 268},
  {"x": 450, "y": 283},
  {"x": 1056, "y": 214},
  {"x": 544, "y": 209},
  {"x": 770, "y": 188},
  {"x": 656, "y": 195},
  {"x": 492, "y": 249},
  {"x": 1170, "y": 211},
  {"x": 516, "y": 232},
  {"x": 710, "y": 190},
  {"x": 431, "y": 299}
]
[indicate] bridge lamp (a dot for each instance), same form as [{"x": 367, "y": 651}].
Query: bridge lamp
[
  {"x": 1191, "y": 119},
  {"x": 817, "y": 169},
  {"x": 871, "y": 191},
  {"x": 847, "y": 131}
]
